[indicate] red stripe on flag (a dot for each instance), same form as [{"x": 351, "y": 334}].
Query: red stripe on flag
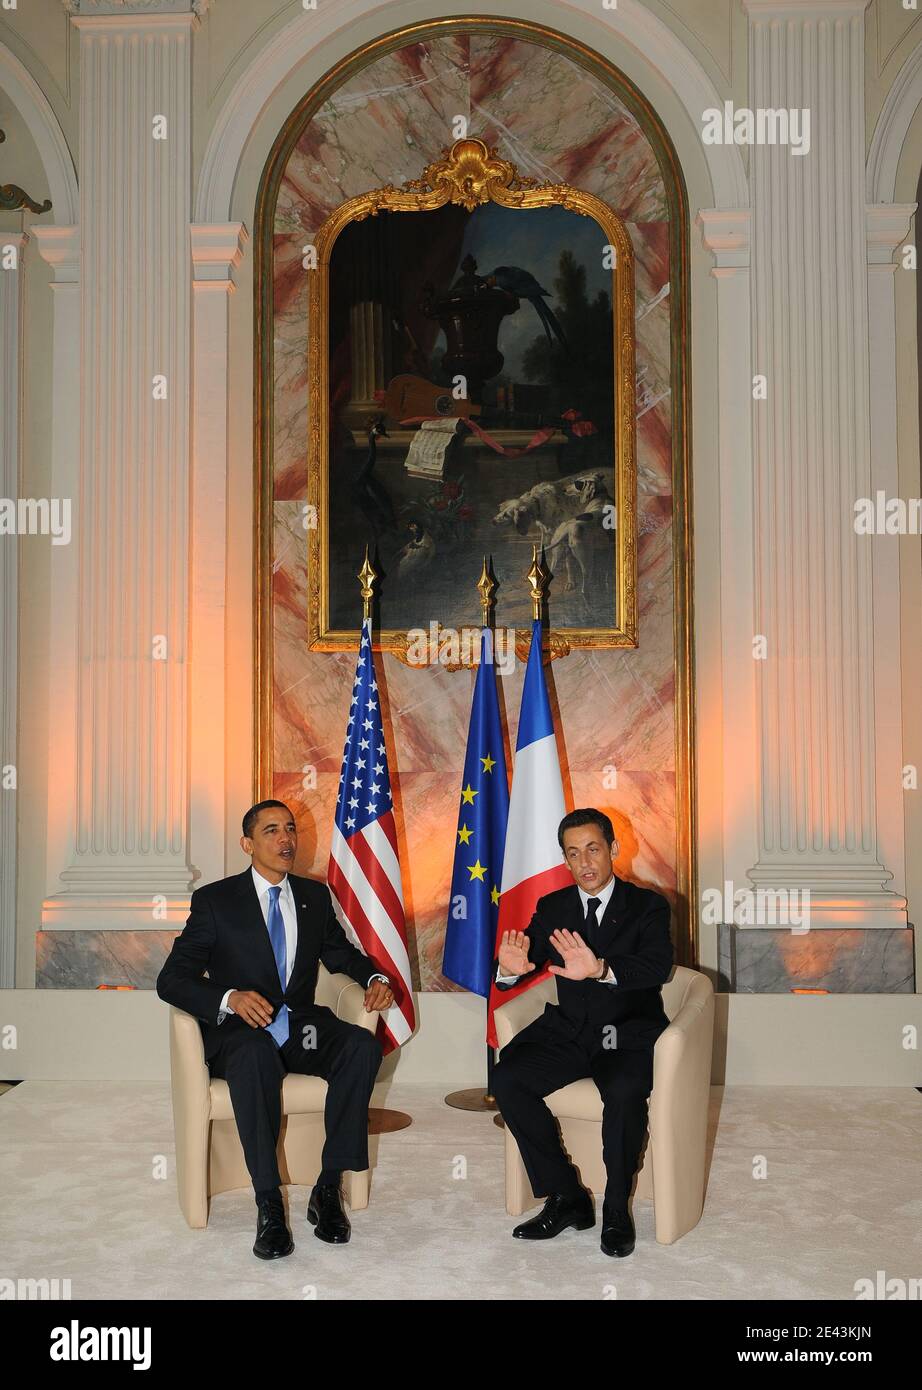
[
  {"x": 372, "y": 944},
  {"x": 387, "y": 824},
  {"x": 516, "y": 909}
]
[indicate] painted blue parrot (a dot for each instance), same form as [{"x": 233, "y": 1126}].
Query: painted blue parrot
[{"x": 523, "y": 284}]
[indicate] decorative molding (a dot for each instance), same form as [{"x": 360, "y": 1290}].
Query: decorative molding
[
  {"x": 727, "y": 234},
  {"x": 891, "y": 129},
  {"x": 59, "y": 247},
  {"x": 632, "y": 23},
  {"x": 217, "y": 251}
]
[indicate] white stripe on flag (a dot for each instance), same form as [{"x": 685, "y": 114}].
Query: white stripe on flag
[{"x": 536, "y": 808}]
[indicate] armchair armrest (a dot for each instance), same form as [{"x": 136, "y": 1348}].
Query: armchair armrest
[
  {"x": 345, "y": 998},
  {"x": 511, "y": 1018},
  {"x": 682, "y": 1066}
]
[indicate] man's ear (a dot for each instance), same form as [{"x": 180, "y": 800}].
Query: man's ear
[{"x": 246, "y": 844}]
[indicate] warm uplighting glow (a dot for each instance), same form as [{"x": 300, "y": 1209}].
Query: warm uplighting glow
[{"x": 809, "y": 991}]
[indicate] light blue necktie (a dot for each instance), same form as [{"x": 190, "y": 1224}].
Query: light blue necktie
[{"x": 279, "y": 1025}]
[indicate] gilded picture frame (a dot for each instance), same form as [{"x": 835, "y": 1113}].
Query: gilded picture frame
[{"x": 470, "y": 175}]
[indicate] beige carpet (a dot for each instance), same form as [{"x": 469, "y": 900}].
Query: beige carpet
[{"x": 842, "y": 1199}]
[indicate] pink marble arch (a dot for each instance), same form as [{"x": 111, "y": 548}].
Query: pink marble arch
[{"x": 557, "y": 122}]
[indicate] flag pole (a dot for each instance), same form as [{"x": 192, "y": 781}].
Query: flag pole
[
  {"x": 478, "y": 1097},
  {"x": 380, "y": 1120},
  {"x": 538, "y": 579}
]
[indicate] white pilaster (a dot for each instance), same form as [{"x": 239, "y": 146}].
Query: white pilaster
[
  {"x": 726, "y": 234},
  {"x": 217, "y": 251},
  {"x": 60, "y": 248},
  {"x": 12, "y": 248},
  {"x": 127, "y": 863},
  {"x": 818, "y": 822},
  {"x": 888, "y": 226}
]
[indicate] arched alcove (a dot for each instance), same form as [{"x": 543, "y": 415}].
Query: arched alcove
[{"x": 561, "y": 112}]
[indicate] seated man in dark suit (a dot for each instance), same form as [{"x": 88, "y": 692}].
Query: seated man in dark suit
[
  {"x": 260, "y": 935},
  {"x": 611, "y": 951}
]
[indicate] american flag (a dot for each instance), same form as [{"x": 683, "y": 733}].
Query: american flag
[{"x": 364, "y": 871}]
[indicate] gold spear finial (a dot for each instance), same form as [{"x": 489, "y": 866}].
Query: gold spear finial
[
  {"x": 538, "y": 578},
  {"x": 367, "y": 574},
  {"x": 486, "y": 584}
]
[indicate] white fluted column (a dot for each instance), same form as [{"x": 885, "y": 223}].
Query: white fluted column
[
  {"x": 12, "y": 248},
  {"x": 128, "y": 855},
  {"x": 217, "y": 251},
  {"x": 818, "y": 822}
]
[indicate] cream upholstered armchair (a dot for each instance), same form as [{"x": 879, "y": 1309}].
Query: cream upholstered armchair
[
  {"x": 673, "y": 1169},
  {"x": 209, "y": 1157}
]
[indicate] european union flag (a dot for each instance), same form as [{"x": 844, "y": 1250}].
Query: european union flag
[{"x": 480, "y": 839}]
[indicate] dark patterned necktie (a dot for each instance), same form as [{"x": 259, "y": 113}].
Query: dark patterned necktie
[{"x": 591, "y": 924}]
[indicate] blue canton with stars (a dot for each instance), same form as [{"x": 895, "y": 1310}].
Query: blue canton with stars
[{"x": 364, "y": 787}]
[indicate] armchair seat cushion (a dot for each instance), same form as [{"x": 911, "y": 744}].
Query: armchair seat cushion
[
  {"x": 578, "y": 1101},
  {"x": 301, "y": 1095}
]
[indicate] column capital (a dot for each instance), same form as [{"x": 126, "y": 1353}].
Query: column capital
[
  {"x": 134, "y": 9},
  {"x": 217, "y": 250},
  {"x": 888, "y": 226},
  {"x": 60, "y": 248},
  {"x": 726, "y": 233},
  {"x": 804, "y": 9}
]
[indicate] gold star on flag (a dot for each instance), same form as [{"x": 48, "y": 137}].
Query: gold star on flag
[
  {"x": 467, "y": 795},
  {"x": 494, "y": 895},
  {"x": 488, "y": 763},
  {"x": 464, "y": 835},
  {"x": 477, "y": 871}
]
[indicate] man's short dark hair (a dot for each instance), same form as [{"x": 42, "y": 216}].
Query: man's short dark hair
[
  {"x": 252, "y": 815},
  {"x": 587, "y": 816}
]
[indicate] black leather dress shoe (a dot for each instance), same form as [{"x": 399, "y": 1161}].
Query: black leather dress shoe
[
  {"x": 273, "y": 1238},
  {"x": 617, "y": 1232},
  {"x": 556, "y": 1215},
  {"x": 325, "y": 1212}
]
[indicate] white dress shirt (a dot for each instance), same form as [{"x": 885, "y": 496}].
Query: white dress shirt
[
  {"x": 290, "y": 922},
  {"x": 603, "y": 896}
]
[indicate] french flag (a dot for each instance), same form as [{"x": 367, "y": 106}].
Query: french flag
[{"x": 532, "y": 863}]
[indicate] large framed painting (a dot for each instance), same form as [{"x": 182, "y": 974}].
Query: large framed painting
[{"x": 471, "y": 394}]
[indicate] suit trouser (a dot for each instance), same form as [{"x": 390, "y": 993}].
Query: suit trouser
[
  {"x": 345, "y": 1055},
  {"x": 539, "y": 1061}
]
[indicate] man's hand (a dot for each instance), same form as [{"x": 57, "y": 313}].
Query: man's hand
[
  {"x": 513, "y": 954},
  {"x": 251, "y": 1007},
  {"x": 579, "y": 962},
  {"x": 378, "y": 996}
]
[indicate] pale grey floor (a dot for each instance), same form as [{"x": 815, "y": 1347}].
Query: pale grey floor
[{"x": 79, "y": 1200}]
